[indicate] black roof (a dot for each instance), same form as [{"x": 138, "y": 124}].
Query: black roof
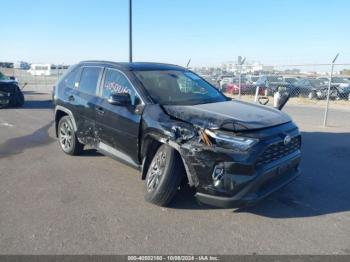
[{"x": 138, "y": 66}]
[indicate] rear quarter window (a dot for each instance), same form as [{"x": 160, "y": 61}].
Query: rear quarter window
[{"x": 72, "y": 78}]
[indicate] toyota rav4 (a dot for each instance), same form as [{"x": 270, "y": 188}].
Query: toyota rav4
[{"x": 174, "y": 126}]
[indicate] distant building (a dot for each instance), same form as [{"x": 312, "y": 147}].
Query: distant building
[{"x": 248, "y": 67}]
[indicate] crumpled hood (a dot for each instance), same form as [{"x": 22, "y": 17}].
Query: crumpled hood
[{"x": 232, "y": 115}]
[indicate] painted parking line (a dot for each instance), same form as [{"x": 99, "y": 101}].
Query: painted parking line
[{"x": 6, "y": 124}]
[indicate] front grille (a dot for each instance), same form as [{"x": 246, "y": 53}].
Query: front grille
[{"x": 278, "y": 150}]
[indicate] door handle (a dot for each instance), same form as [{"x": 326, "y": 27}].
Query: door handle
[
  {"x": 71, "y": 98},
  {"x": 99, "y": 110}
]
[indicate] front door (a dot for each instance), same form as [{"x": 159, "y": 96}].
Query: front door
[{"x": 117, "y": 127}]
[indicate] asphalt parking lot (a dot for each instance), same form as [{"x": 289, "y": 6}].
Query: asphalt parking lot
[{"x": 51, "y": 203}]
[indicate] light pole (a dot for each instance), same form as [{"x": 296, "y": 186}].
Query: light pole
[
  {"x": 130, "y": 31},
  {"x": 240, "y": 63},
  {"x": 329, "y": 91}
]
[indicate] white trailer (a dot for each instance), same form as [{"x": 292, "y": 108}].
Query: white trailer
[{"x": 40, "y": 69}]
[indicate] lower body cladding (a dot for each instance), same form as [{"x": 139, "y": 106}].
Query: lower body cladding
[{"x": 222, "y": 181}]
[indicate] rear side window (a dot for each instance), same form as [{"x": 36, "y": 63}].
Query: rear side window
[{"x": 89, "y": 79}]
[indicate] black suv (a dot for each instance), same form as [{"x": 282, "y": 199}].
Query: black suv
[
  {"x": 10, "y": 93},
  {"x": 175, "y": 127}
]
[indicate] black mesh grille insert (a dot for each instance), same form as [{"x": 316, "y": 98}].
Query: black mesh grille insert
[{"x": 278, "y": 150}]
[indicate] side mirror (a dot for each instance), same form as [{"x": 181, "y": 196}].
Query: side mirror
[{"x": 120, "y": 99}]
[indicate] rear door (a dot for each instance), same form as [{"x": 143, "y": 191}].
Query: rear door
[
  {"x": 85, "y": 99},
  {"x": 118, "y": 126}
]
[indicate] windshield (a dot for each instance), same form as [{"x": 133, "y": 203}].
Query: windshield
[
  {"x": 316, "y": 82},
  {"x": 2, "y": 76},
  {"x": 290, "y": 80},
  {"x": 274, "y": 78},
  {"x": 340, "y": 80},
  {"x": 178, "y": 88}
]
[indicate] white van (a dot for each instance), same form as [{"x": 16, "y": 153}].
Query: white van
[{"x": 40, "y": 69}]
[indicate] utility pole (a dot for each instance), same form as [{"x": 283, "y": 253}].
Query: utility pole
[
  {"x": 130, "y": 31},
  {"x": 329, "y": 91}
]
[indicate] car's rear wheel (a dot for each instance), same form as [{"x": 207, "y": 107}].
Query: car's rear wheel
[
  {"x": 312, "y": 95},
  {"x": 164, "y": 176},
  {"x": 67, "y": 137}
]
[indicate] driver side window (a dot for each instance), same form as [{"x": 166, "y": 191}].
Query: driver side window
[{"x": 115, "y": 83}]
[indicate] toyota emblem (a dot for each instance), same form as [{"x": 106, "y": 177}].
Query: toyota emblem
[{"x": 287, "y": 140}]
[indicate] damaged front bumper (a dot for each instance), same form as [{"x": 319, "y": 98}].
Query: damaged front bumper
[
  {"x": 228, "y": 168},
  {"x": 265, "y": 181},
  {"x": 226, "y": 178}
]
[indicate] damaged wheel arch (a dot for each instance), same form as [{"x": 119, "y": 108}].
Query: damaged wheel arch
[{"x": 150, "y": 144}]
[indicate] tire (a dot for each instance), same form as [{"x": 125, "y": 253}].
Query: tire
[
  {"x": 19, "y": 100},
  {"x": 312, "y": 95},
  {"x": 67, "y": 137},
  {"x": 164, "y": 176},
  {"x": 334, "y": 94}
]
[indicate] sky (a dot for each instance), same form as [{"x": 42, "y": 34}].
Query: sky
[{"x": 173, "y": 31}]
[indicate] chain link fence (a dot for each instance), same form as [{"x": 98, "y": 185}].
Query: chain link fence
[
  {"x": 33, "y": 81},
  {"x": 308, "y": 85}
]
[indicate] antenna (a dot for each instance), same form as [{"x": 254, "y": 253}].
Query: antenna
[{"x": 188, "y": 63}]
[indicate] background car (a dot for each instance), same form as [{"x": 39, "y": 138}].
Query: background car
[
  {"x": 10, "y": 94},
  {"x": 252, "y": 79},
  {"x": 290, "y": 80},
  {"x": 271, "y": 83},
  {"x": 224, "y": 82},
  {"x": 336, "y": 81},
  {"x": 309, "y": 87},
  {"x": 247, "y": 88}
]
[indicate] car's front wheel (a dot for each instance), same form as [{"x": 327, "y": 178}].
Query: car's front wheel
[
  {"x": 19, "y": 100},
  {"x": 164, "y": 176},
  {"x": 67, "y": 137}
]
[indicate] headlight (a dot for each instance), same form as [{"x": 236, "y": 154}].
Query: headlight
[
  {"x": 183, "y": 132},
  {"x": 235, "y": 142}
]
